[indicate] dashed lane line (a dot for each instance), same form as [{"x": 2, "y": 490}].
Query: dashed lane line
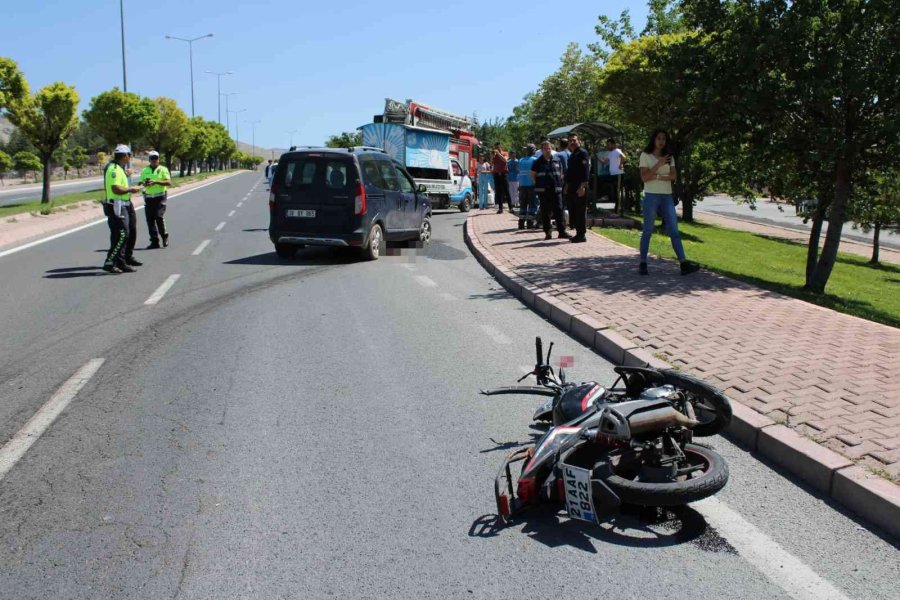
[
  {"x": 231, "y": 214},
  {"x": 156, "y": 296},
  {"x": 220, "y": 226},
  {"x": 23, "y": 439},
  {"x": 201, "y": 247},
  {"x": 425, "y": 281}
]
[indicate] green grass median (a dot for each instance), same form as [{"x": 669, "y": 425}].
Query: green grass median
[
  {"x": 855, "y": 287},
  {"x": 59, "y": 203}
]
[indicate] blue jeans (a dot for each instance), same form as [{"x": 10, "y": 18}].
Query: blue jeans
[
  {"x": 485, "y": 182},
  {"x": 663, "y": 205}
]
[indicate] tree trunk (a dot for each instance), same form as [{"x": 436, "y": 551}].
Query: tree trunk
[
  {"x": 828, "y": 257},
  {"x": 45, "y": 189},
  {"x": 812, "y": 250},
  {"x": 875, "y": 242}
]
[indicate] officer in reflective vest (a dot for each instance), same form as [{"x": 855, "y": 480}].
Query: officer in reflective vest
[
  {"x": 116, "y": 208},
  {"x": 155, "y": 178}
]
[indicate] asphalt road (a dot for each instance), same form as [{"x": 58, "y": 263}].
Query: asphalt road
[
  {"x": 771, "y": 213},
  {"x": 18, "y": 194},
  {"x": 311, "y": 428}
]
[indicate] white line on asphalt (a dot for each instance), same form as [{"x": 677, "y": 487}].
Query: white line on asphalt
[
  {"x": 239, "y": 204},
  {"x": 220, "y": 226},
  {"x": 201, "y": 248},
  {"x": 97, "y": 222},
  {"x": 23, "y": 439},
  {"x": 231, "y": 214},
  {"x": 496, "y": 335},
  {"x": 161, "y": 290},
  {"x": 425, "y": 281},
  {"x": 783, "y": 568}
]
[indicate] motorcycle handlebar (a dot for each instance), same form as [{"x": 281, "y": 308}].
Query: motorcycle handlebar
[{"x": 539, "y": 351}]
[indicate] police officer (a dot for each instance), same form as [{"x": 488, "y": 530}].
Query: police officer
[
  {"x": 116, "y": 206},
  {"x": 577, "y": 176},
  {"x": 547, "y": 173},
  {"x": 155, "y": 178}
]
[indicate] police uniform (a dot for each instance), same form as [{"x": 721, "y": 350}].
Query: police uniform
[
  {"x": 155, "y": 204},
  {"x": 115, "y": 207},
  {"x": 577, "y": 175},
  {"x": 548, "y": 183}
]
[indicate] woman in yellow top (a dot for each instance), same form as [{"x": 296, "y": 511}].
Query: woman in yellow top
[{"x": 658, "y": 172}]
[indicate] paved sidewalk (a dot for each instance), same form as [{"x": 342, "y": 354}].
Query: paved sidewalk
[{"x": 830, "y": 377}]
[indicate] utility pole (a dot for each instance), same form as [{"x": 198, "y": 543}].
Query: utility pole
[
  {"x": 190, "y": 43},
  {"x": 227, "y": 112},
  {"x": 237, "y": 126},
  {"x": 253, "y": 135},
  {"x": 122, "y": 23},
  {"x": 219, "y": 91}
]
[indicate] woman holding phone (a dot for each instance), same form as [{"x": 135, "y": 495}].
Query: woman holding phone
[{"x": 658, "y": 172}]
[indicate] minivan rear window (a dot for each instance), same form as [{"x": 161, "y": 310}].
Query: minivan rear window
[{"x": 303, "y": 176}]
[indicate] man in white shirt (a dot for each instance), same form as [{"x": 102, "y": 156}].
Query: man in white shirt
[{"x": 616, "y": 160}]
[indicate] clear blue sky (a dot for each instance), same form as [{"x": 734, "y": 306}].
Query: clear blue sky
[{"x": 320, "y": 68}]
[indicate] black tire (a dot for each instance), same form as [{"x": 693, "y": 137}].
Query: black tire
[
  {"x": 375, "y": 243},
  {"x": 675, "y": 493},
  {"x": 286, "y": 250},
  {"x": 466, "y": 203},
  {"x": 425, "y": 233},
  {"x": 711, "y": 423}
]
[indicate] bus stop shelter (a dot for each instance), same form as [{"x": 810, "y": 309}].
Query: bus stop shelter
[{"x": 594, "y": 136}]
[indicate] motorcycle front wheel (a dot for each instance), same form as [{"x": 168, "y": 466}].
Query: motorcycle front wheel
[{"x": 701, "y": 474}]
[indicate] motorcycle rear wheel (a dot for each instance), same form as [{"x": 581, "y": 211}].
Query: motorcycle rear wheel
[{"x": 678, "y": 492}]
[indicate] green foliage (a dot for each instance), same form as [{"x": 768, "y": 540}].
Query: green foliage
[
  {"x": 78, "y": 158},
  {"x": 171, "y": 132},
  {"x": 13, "y": 86},
  {"x": 6, "y": 164},
  {"x": 347, "y": 139},
  {"x": 122, "y": 117},
  {"x": 24, "y": 162}
]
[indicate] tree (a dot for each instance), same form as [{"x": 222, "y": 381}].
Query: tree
[
  {"x": 122, "y": 117},
  {"x": 47, "y": 119},
  {"x": 170, "y": 133},
  {"x": 26, "y": 161},
  {"x": 347, "y": 139},
  {"x": 78, "y": 158},
  {"x": 877, "y": 205},
  {"x": 6, "y": 164},
  {"x": 811, "y": 84},
  {"x": 13, "y": 86}
]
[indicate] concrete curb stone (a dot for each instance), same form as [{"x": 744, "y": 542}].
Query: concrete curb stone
[{"x": 864, "y": 493}]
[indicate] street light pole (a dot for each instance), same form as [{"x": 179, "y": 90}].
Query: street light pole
[
  {"x": 122, "y": 23},
  {"x": 253, "y": 135},
  {"x": 237, "y": 126},
  {"x": 227, "y": 112},
  {"x": 190, "y": 44},
  {"x": 219, "y": 91}
]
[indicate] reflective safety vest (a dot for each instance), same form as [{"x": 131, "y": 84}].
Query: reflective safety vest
[
  {"x": 160, "y": 173},
  {"x": 115, "y": 175}
]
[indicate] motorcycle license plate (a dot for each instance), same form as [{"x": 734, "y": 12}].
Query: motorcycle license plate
[
  {"x": 303, "y": 214},
  {"x": 578, "y": 494}
]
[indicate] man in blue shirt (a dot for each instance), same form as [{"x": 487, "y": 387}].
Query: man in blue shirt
[
  {"x": 513, "y": 164},
  {"x": 562, "y": 152},
  {"x": 549, "y": 178},
  {"x": 528, "y": 202}
]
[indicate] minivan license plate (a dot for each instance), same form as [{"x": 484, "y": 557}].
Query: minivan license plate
[
  {"x": 578, "y": 493},
  {"x": 304, "y": 214}
]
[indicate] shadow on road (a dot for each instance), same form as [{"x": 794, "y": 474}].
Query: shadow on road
[
  {"x": 304, "y": 258},
  {"x": 73, "y": 272},
  {"x": 253, "y": 230}
]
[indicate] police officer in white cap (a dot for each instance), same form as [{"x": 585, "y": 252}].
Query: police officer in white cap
[
  {"x": 156, "y": 180},
  {"x": 119, "y": 213}
]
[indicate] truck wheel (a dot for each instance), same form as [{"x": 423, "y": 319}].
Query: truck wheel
[
  {"x": 466, "y": 203},
  {"x": 375, "y": 244}
]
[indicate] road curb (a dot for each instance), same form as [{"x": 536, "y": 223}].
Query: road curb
[{"x": 869, "y": 496}]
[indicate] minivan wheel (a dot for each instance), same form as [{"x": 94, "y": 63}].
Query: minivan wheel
[
  {"x": 425, "y": 232},
  {"x": 376, "y": 244},
  {"x": 466, "y": 203},
  {"x": 286, "y": 250}
]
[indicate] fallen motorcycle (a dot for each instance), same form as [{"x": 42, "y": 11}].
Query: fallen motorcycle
[{"x": 626, "y": 444}]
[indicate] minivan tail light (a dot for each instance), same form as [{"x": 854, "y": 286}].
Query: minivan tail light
[
  {"x": 359, "y": 206},
  {"x": 273, "y": 191}
]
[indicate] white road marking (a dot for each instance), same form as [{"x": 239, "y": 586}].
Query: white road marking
[
  {"x": 784, "y": 569},
  {"x": 161, "y": 290},
  {"x": 23, "y": 439},
  {"x": 201, "y": 248},
  {"x": 240, "y": 204},
  {"x": 220, "y": 226},
  {"x": 231, "y": 214},
  {"x": 425, "y": 281},
  {"x": 496, "y": 335},
  {"x": 56, "y": 236}
]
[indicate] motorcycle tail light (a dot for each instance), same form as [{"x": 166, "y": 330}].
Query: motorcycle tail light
[
  {"x": 526, "y": 489},
  {"x": 503, "y": 505}
]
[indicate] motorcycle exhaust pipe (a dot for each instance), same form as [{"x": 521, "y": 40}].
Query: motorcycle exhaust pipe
[{"x": 616, "y": 425}]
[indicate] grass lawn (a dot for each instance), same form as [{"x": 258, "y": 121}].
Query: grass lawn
[
  {"x": 59, "y": 202},
  {"x": 855, "y": 287}
]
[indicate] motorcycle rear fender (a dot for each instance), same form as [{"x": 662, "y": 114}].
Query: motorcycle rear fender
[{"x": 508, "y": 504}]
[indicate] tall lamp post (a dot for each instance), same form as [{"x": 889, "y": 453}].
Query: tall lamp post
[
  {"x": 219, "y": 91},
  {"x": 253, "y": 135},
  {"x": 237, "y": 126},
  {"x": 227, "y": 112},
  {"x": 190, "y": 43},
  {"x": 122, "y": 23}
]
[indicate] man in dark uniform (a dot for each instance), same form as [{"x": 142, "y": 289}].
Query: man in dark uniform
[
  {"x": 577, "y": 176},
  {"x": 547, "y": 172}
]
